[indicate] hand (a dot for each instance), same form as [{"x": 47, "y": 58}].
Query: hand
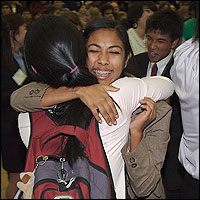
[
  {"x": 97, "y": 99},
  {"x": 141, "y": 121},
  {"x": 145, "y": 117},
  {"x": 26, "y": 185}
]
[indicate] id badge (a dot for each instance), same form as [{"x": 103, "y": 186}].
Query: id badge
[{"x": 19, "y": 77}]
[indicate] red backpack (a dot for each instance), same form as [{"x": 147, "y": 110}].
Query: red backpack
[{"x": 89, "y": 178}]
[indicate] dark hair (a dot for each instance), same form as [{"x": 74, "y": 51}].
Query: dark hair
[
  {"x": 73, "y": 17},
  {"x": 49, "y": 9},
  {"x": 166, "y": 21},
  {"x": 104, "y": 7},
  {"x": 54, "y": 47},
  {"x": 9, "y": 22},
  {"x": 135, "y": 12},
  {"x": 109, "y": 24}
]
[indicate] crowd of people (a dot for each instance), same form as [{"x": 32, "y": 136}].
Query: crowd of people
[{"x": 135, "y": 50}]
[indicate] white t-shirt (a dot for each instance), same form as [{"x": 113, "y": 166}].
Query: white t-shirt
[
  {"x": 114, "y": 137},
  {"x": 185, "y": 75}
]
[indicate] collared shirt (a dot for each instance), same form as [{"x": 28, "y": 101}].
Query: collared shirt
[
  {"x": 20, "y": 61},
  {"x": 185, "y": 75},
  {"x": 161, "y": 64},
  {"x": 137, "y": 44}
]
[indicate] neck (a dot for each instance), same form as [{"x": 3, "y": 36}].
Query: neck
[
  {"x": 141, "y": 32},
  {"x": 15, "y": 50},
  {"x": 14, "y": 47}
]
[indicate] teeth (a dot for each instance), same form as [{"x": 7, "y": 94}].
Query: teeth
[{"x": 102, "y": 73}]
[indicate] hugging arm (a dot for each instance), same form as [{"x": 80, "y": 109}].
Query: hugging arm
[
  {"x": 37, "y": 96},
  {"x": 144, "y": 163}
]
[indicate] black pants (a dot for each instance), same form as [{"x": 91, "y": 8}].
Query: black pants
[{"x": 188, "y": 189}]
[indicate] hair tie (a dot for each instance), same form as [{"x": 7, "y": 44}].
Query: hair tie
[{"x": 74, "y": 69}]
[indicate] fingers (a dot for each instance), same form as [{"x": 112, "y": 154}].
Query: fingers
[
  {"x": 96, "y": 114},
  {"x": 110, "y": 88},
  {"x": 149, "y": 105},
  {"x": 108, "y": 112}
]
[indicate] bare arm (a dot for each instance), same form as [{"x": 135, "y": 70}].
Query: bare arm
[{"x": 37, "y": 96}]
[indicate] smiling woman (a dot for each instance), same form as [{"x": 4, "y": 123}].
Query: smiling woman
[{"x": 105, "y": 60}]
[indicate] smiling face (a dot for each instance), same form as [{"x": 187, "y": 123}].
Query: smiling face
[
  {"x": 159, "y": 45},
  {"x": 106, "y": 55}
]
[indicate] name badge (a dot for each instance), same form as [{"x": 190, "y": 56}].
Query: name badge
[{"x": 19, "y": 77}]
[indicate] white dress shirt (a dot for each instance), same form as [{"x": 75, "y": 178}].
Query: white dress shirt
[
  {"x": 160, "y": 64},
  {"x": 185, "y": 75},
  {"x": 114, "y": 137}
]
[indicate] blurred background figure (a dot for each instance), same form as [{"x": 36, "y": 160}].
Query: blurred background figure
[
  {"x": 93, "y": 14},
  {"x": 17, "y": 6},
  {"x": 121, "y": 15},
  {"x": 37, "y": 14},
  {"x": 74, "y": 18},
  {"x": 138, "y": 13},
  {"x": 189, "y": 24},
  {"x": 38, "y": 5},
  {"x": 13, "y": 76},
  {"x": 51, "y": 10},
  {"x": 107, "y": 10},
  {"x": 28, "y": 17},
  {"x": 83, "y": 15},
  {"x": 116, "y": 9},
  {"x": 183, "y": 12},
  {"x": 58, "y": 4},
  {"x": 5, "y": 8}
]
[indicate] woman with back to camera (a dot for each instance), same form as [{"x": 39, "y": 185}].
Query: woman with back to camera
[{"x": 107, "y": 57}]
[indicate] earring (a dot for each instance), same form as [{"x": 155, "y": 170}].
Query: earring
[{"x": 135, "y": 25}]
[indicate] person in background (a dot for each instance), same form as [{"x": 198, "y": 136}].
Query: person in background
[
  {"x": 189, "y": 25},
  {"x": 13, "y": 76},
  {"x": 108, "y": 50},
  {"x": 107, "y": 11},
  {"x": 164, "y": 31},
  {"x": 18, "y": 6},
  {"x": 58, "y": 4},
  {"x": 121, "y": 15},
  {"x": 83, "y": 15},
  {"x": 185, "y": 75},
  {"x": 74, "y": 18},
  {"x": 5, "y": 8},
  {"x": 138, "y": 13},
  {"x": 51, "y": 10},
  {"x": 37, "y": 14},
  {"x": 38, "y": 5},
  {"x": 183, "y": 12},
  {"x": 116, "y": 9},
  {"x": 28, "y": 17},
  {"x": 93, "y": 14}
]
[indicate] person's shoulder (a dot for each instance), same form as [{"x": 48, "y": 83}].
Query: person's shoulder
[
  {"x": 129, "y": 83},
  {"x": 126, "y": 81},
  {"x": 187, "y": 48}
]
